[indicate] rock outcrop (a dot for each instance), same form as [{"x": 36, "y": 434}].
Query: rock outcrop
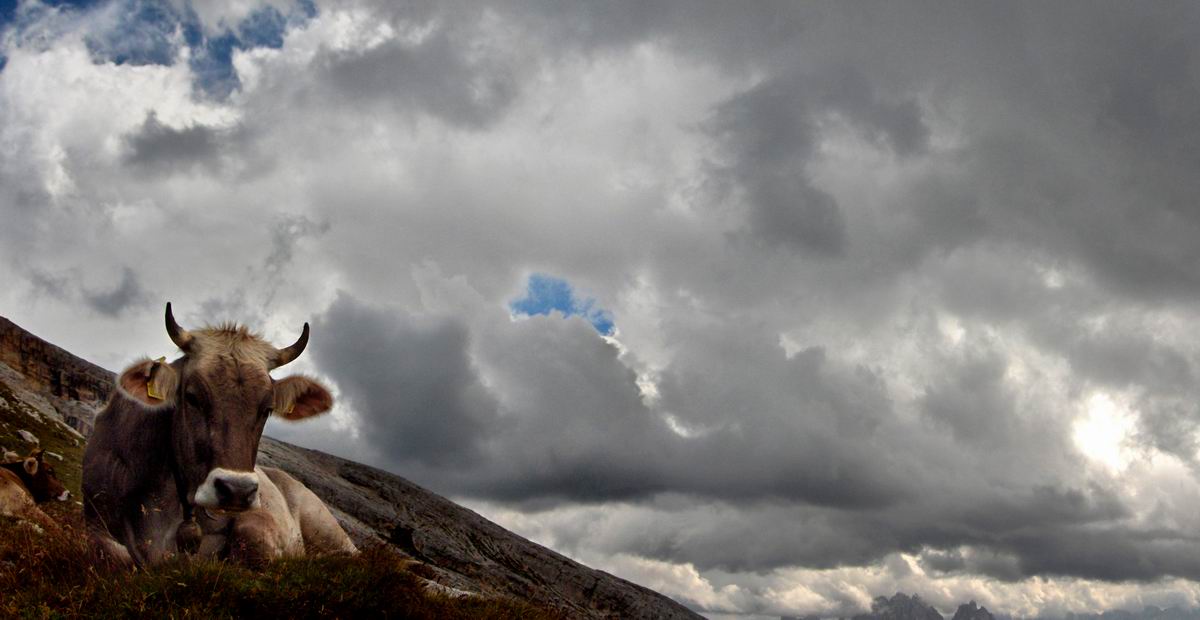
[
  {"x": 466, "y": 551},
  {"x": 74, "y": 387}
]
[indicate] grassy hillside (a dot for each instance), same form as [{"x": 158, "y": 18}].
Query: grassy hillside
[
  {"x": 16, "y": 415},
  {"x": 54, "y": 575}
]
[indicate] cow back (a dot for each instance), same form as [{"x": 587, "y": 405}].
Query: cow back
[{"x": 15, "y": 499}]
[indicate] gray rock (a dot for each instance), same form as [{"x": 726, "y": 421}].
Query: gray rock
[{"x": 463, "y": 550}]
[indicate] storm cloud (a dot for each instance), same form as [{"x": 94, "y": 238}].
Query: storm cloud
[{"x": 898, "y": 297}]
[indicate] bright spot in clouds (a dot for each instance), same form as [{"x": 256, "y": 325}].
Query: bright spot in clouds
[{"x": 1104, "y": 430}]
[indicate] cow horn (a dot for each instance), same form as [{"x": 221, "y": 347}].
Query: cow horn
[
  {"x": 286, "y": 355},
  {"x": 179, "y": 335}
]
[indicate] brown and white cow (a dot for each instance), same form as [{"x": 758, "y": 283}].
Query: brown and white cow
[
  {"x": 180, "y": 439},
  {"x": 289, "y": 521},
  {"x": 26, "y": 482}
]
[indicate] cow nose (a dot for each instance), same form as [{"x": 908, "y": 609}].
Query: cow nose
[{"x": 236, "y": 493}]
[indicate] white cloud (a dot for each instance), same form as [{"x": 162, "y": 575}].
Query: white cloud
[{"x": 981, "y": 349}]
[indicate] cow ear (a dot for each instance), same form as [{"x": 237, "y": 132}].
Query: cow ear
[
  {"x": 31, "y": 466},
  {"x": 150, "y": 383},
  {"x": 298, "y": 397}
]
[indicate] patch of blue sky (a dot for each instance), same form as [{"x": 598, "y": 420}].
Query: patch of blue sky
[
  {"x": 144, "y": 34},
  {"x": 15, "y": 19},
  {"x": 151, "y": 32},
  {"x": 8, "y": 12},
  {"x": 546, "y": 294},
  {"x": 263, "y": 28},
  {"x": 8, "y": 8}
]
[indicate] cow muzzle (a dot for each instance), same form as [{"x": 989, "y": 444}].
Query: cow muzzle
[{"x": 226, "y": 490}]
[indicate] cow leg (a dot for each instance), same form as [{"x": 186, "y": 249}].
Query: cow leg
[
  {"x": 33, "y": 514},
  {"x": 253, "y": 539},
  {"x": 319, "y": 529},
  {"x": 111, "y": 552},
  {"x": 323, "y": 534}
]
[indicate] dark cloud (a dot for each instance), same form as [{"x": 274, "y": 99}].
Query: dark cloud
[
  {"x": 159, "y": 148},
  {"x": 127, "y": 294},
  {"x": 973, "y": 402},
  {"x": 412, "y": 381},
  {"x": 437, "y": 76},
  {"x": 572, "y": 423},
  {"x": 823, "y": 472},
  {"x": 54, "y": 285},
  {"x": 769, "y": 134},
  {"x": 70, "y": 286}
]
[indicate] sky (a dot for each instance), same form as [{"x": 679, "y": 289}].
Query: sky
[{"x": 772, "y": 307}]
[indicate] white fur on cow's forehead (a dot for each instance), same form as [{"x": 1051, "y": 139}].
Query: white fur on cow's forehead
[{"x": 232, "y": 340}]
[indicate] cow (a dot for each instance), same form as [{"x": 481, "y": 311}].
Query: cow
[
  {"x": 177, "y": 443},
  {"x": 290, "y": 521},
  {"x": 26, "y": 482}
]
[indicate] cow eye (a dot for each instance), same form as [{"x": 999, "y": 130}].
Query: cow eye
[{"x": 193, "y": 400}]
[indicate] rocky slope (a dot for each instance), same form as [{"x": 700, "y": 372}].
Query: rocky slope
[
  {"x": 74, "y": 388},
  {"x": 54, "y": 396}
]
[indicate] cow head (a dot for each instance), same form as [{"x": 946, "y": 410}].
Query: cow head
[
  {"x": 219, "y": 396},
  {"x": 38, "y": 476}
]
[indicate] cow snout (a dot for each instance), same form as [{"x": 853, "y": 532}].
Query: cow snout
[
  {"x": 228, "y": 490},
  {"x": 236, "y": 493}
]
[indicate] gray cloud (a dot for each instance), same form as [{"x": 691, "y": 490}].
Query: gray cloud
[
  {"x": 878, "y": 266},
  {"x": 456, "y": 69},
  {"x": 559, "y": 420},
  {"x": 412, "y": 381},
  {"x": 127, "y": 294},
  {"x": 157, "y": 147},
  {"x": 70, "y": 286},
  {"x": 769, "y": 134}
]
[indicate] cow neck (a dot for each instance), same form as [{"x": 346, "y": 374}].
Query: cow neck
[{"x": 177, "y": 473}]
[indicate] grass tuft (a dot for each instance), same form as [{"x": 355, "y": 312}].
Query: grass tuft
[{"x": 47, "y": 575}]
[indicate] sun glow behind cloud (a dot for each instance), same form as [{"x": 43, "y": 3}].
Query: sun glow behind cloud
[{"x": 1103, "y": 432}]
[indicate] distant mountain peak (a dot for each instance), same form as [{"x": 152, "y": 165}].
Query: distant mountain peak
[
  {"x": 972, "y": 611},
  {"x": 901, "y": 607}
]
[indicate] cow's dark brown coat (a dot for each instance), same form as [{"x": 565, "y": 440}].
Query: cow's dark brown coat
[{"x": 181, "y": 436}]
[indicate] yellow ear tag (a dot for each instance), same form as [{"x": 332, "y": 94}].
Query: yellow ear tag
[
  {"x": 291, "y": 407},
  {"x": 150, "y": 390}
]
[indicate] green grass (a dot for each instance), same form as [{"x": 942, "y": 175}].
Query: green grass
[
  {"x": 49, "y": 576},
  {"x": 14, "y": 416}
]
